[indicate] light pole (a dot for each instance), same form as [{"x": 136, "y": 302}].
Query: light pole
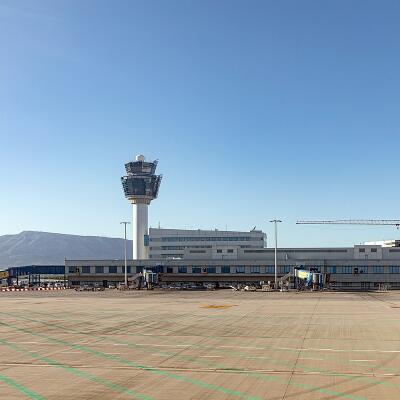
[
  {"x": 126, "y": 262},
  {"x": 275, "y": 221}
]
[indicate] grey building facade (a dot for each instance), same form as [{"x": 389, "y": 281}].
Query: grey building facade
[{"x": 362, "y": 267}]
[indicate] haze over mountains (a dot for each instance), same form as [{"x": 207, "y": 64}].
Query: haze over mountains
[{"x": 29, "y": 247}]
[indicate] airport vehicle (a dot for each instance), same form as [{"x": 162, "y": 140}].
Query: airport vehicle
[{"x": 85, "y": 288}]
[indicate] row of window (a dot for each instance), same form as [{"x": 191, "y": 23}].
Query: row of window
[
  {"x": 180, "y": 247},
  {"x": 101, "y": 270},
  {"x": 373, "y": 250},
  {"x": 243, "y": 246},
  {"x": 240, "y": 269},
  {"x": 377, "y": 269},
  {"x": 205, "y": 239}
]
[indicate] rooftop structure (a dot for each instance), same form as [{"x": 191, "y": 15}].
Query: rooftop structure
[
  {"x": 385, "y": 243},
  {"x": 141, "y": 186},
  {"x": 214, "y": 244}
]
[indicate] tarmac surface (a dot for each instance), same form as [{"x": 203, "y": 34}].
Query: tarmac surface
[{"x": 159, "y": 345}]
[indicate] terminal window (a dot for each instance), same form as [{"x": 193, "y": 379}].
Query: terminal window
[
  {"x": 182, "y": 270},
  {"x": 112, "y": 269},
  {"x": 255, "y": 269},
  {"x": 240, "y": 269},
  {"x": 225, "y": 270},
  {"x": 269, "y": 269},
  {"x": 196, "y": 270},
  {"x": 86, "y": 270},
  {"x": 394, "y": 270},
  {"x": 99, "y": 270},
  {"x": 377, "y": 270}
]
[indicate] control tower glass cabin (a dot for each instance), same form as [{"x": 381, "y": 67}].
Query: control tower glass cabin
[{"x": 141, "y": 186}]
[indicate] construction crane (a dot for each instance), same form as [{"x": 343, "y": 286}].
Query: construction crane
[{"x": 392, "y": 222}]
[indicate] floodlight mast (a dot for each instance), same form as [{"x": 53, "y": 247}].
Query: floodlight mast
[
  {"x": 125, "y": 256},
  {"x": 141, "y": 186},
  {"x": 275, "y": 221}
]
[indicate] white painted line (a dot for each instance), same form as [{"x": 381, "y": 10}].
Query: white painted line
[
  {"x": 243, "y": 347},
  {"x": 161, "y": 355},
  {"x": 210, "y": 356},
  {"x": 258, "y": 357},
  {"x": 71, "y": 352},
  {"x": 311, "y": 358},
  {"x": 338, "y": 350},
  {"x": 362, "y": 360},
  {"x": 162, "y": 345},
  {"x": 120, "y": 344},
  {"x": 28, "y": 342}
]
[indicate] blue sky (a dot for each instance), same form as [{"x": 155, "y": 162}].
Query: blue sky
[{"x": 255, "y": 110}]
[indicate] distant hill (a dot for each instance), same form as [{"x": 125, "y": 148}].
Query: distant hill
[{"x": 28, "y": 247}]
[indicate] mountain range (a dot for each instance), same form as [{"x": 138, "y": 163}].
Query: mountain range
[{"x": 44, "y": 248}]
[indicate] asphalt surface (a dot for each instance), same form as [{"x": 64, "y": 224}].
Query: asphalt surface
[{"x": 160, "y": 345}]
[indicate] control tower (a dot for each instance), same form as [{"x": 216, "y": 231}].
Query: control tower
[{"x": 140, "y": 186}]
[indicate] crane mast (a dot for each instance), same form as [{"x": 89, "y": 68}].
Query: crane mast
[{"x": 390, "y": 222}]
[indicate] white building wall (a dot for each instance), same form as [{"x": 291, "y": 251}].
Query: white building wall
[{"x": 182, "y": 243}]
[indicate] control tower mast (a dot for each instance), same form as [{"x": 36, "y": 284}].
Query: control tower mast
[{"x": 140, "y": 187}]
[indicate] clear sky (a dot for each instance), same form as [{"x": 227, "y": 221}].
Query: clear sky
[{"x": 255, "y": 110}]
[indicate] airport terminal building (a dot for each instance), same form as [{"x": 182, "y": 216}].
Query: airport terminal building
[
  {"x": 170, "y": 244},
  {"x": 181, "y": 256}
]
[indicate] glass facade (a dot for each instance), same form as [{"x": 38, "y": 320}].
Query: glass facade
[
  {"x": 85, "y": 270},
  {"x": 254, "y": 269},
  {"x": 269, "y": 269},
  {"x": 394, "y": 269},
  {"x": 211, "y": 270},
  {"x": 99, "y": 270},
  {"x": 240, "y": 269},
  {"x": 331, "y": 270},
  {"x": 225, "y": 270},
  {"x": 377, "y": 269},
  {"x": 37, "y": 269},
  {"x": 284, "y": 269},
  {"x": 182, "y": 270},
  {"x": 196, "y": 270},
  {"x": 113, "y": 269}
]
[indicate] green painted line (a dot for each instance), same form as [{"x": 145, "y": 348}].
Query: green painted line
[
  {"x": 22, "y": 389},
  {"x": 124, "y": 361},
  {"x": 83, "y": 374},
  {"x": 222, "y": 367}
]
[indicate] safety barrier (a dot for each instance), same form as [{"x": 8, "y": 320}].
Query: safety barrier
[{"x": 30, "y": 289}]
